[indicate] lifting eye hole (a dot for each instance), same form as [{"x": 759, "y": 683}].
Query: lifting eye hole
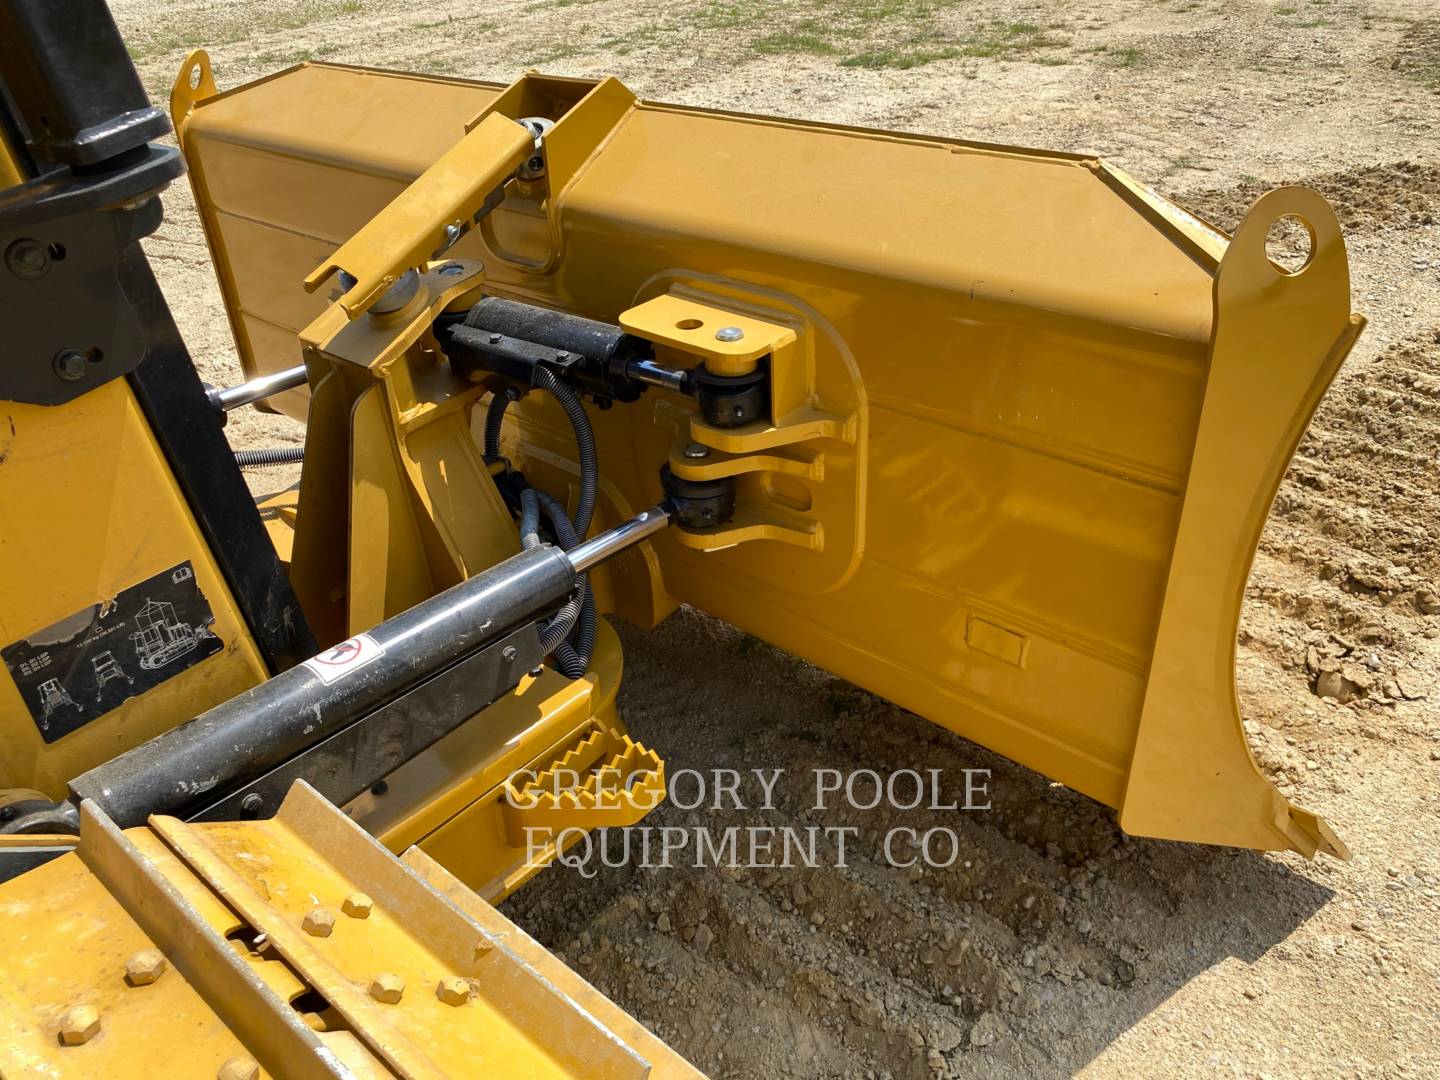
[
  {"x": 195, "y": 76},
  {"x": 689, "y": 324},
  {"x": 1290, "y": 244}
]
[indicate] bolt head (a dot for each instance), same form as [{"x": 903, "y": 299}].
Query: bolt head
[
  {"x": 495, "y": 339},
  {"x": 697, "y": 451},
  {"x": 318, "y": 922},
  {"x": 729, "y": 333},
  {"x": 452, "y": 233},
  {"x": 509, "y": 653},
  {"x": 27, "y": 259},
  {"x": 238, "y": 1068},
  {"x": 145, "y": 967},
  {"x": 453, "y": 991},
  {"x": 79, "y": 1025},
  {"x": 70, "y": 365},
  {"x": 387, "y": 988},
  {"x": 251, "y": 805},
  {"x": 451, "y": 269},
  {"x": 357, "y": 905}
]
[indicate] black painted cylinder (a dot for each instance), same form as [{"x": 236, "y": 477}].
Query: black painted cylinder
[{"x": 272, "y": 722}]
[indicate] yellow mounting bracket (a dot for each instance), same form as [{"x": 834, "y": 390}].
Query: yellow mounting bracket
[
  {"x": 605, "y": 780},
  {"x": 779, "y": 461},
  {"x": 728, "y": 343},
  {"x": 428, "y": 216}
]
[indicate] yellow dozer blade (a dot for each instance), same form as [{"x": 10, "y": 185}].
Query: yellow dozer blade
[{"x": 1028, "y": 417}]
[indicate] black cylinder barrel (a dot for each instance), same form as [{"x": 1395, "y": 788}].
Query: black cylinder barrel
[
  {"x": 553, "y": 329},
  {"x": 269, "y": 724}
]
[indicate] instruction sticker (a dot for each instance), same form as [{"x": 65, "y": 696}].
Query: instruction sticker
[
  {"x": 78, "y": 669},
  {"x": 343, "y": 659}
]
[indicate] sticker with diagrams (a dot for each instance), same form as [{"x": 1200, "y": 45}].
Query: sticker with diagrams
[{"x": 80, "y": 668}]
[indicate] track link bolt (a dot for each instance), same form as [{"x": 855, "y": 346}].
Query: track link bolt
[
  {"x": 453, "y": 991},
  {"x": 318, "y": 922},
  {"x": 357, "y": 905},
  {"x": 79, "y": 1025},
  {"x": 145, "y": 967},
  {"x": 238, "y": 1068},
  {"x": 387, "y": 988}
]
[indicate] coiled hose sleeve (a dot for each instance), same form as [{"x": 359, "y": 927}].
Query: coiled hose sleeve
[
  {"x": 557, "y": 628},
  {"x": 280, "y": 455},
  {"x": 584, "y": 640},
  {"x": 494, "y": 417},
  {"x": 584, "y": 444}
]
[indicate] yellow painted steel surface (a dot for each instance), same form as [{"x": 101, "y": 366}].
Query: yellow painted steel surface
[
  {"x": 291, "y": 948},
  {"x": 88, "y": 508},
  {"x": 1027, "y": 417}
]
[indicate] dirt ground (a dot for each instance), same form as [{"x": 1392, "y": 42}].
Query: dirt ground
[{"x": 1056, "y": 946}]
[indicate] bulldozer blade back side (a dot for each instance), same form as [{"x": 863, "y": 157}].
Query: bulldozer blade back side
[{"x": 1026, "y": 422}]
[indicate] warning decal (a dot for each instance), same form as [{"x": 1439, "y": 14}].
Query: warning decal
[
  {"x": 81, "y": 667},
  {"x": 348, "y": 656}
]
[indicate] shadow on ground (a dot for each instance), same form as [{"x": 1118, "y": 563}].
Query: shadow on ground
[{"x": 1049, "y": 935}]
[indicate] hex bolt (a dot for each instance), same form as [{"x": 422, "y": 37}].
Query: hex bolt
[
  {"x": 495, "y": 339},
  {"x": 238, "y": 1068},
  {"x": 729, "y": 333},
  {"x": 453, "y": 991},
  {"x": 387, "y": 988},
  {"x": 251, "y": 805},
  {"x": 70, "y": 365},
  {"x": 697, "y": 451},
  {"x": 357, "y": 905},
  {"x": 318, "y": 922},
  {"x": 27, "y": 258},
  {"x": 145, "y": 967},
  {"x": 509, "y": 654},
  {"x": 452, "y": 233},
  {"x": 79, "y": 1025}
]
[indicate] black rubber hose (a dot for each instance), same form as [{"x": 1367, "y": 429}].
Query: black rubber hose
[
  {"x": 584, "y": 443},
  {"x": 494, "y": 417},
  {"x": 529, "y": 519},
  {"x": 580, "y": 651},
  {"x": 585, "y": 629},
  {"x": 280, "y": 455},
  {"x": 558, "y": 627},
  {"x": 571, "y": 666}
]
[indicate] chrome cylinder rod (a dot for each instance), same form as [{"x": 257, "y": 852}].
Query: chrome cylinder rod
[
  {"x": 246, "y": 393},
  {"x": 667, "y": 378},
  {"x": 597, "y": 549}
]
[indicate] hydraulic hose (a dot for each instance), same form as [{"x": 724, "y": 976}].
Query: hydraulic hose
[
  {"x": 530, "y": 519},
  {"x": 494, "y": 417},
  {"x": 584, "y": 444},
  {"x": 280, "y": 455},
  {"x": 554, "y": 633}
]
